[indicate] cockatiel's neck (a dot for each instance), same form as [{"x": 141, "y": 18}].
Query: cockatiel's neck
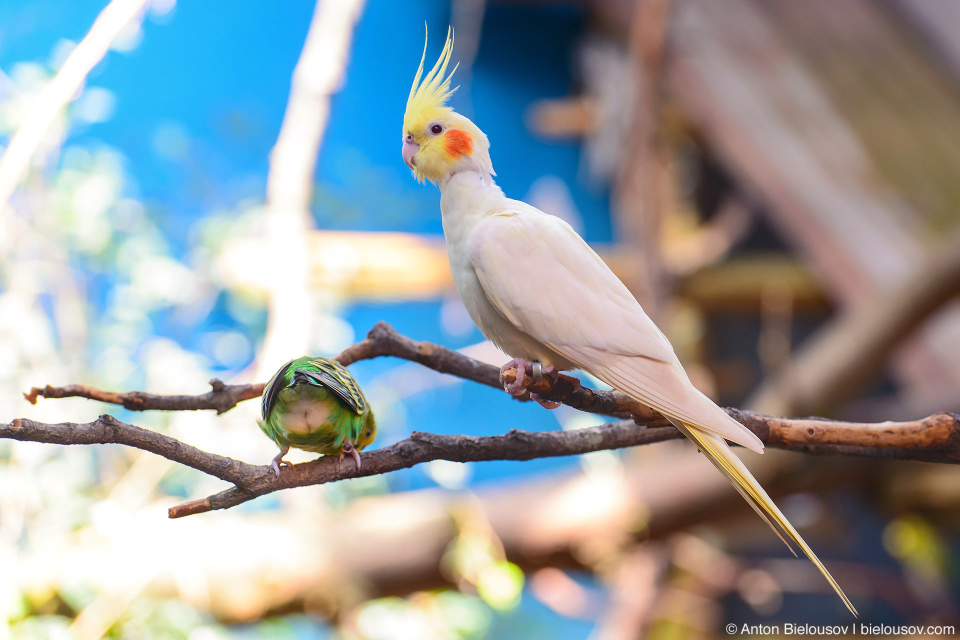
[{"x": 465, "y": 199}]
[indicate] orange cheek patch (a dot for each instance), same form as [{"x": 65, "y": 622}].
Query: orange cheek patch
[{"x": 458, "y": 143}]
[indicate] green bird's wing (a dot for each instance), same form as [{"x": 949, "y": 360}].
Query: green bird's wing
[
  {"x": 272, "y": 390},
  {"x": 335, "y": 377}
]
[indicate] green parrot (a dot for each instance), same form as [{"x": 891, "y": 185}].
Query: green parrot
[{"x": 314, "y": 404}]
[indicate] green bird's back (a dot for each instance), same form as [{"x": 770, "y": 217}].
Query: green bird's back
[{"x": 316, "y": 405}]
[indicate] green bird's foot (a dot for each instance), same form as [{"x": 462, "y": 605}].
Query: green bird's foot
[
  {"x": 278, "y": 461},
  {"x": 349, "y": 449}
]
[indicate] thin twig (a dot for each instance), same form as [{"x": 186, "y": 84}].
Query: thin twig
[{"x": 221, "y": 398}]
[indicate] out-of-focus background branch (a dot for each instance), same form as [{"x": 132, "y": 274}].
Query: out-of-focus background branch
[
  {"x": 191, "y": 190},
  {"x": 44, "y": 110},
  {"x": 318, "y": 74}
]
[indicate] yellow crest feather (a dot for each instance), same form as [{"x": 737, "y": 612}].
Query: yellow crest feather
[
  {"x": 430, "y": 96},
  {"x": 427, "y": 105}
]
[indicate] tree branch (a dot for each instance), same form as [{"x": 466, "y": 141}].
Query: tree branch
[
  {"x": 932, "y": 439},
  {"x": 108, "y": 430},
  {"x": 381, "y": 340}
]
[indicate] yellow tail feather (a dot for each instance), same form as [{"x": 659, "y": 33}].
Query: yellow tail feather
[{"x": 723, "y": 458}]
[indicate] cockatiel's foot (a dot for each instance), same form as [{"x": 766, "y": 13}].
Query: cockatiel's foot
[
  {"x": 551, "y": 373},
  {"x": 544, "y": 371},
  {"x": 516, "y": 388},
  {"x": 546, "y": 404},
  {"x": 537, "y": 372},
  {"x": 278, "y": 461},
  {"x": 349, "y": 449}
]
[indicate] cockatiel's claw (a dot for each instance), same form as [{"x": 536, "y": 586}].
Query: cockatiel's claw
[
  {"x": 545, "y": 371},
  {"x": 538, "y": 372},
  {"x": 571, "y": 379},
  {"x": 348, "y": 448},
  {"x": 546, "y": 404},
  {"x": 516, "y": 388}
]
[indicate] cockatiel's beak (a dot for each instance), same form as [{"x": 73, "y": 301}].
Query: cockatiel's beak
[
  {"x": 348, "y": 448},
  {"x": 410, "y": 148}
]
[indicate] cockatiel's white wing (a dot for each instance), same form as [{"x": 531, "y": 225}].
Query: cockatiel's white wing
[{"x": 546, "y": 281}]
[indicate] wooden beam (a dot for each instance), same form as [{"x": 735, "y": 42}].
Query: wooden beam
[
  {"x": 740, "y": 285},
  {"x": 361, "y": 265}
]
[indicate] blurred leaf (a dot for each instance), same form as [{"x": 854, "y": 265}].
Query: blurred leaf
[
  {"x": 916, "y": 543},
  {"x": 500, "y": 585}
]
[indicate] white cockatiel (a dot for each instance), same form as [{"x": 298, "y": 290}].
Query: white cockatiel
[{"x": 541, "y": 294}]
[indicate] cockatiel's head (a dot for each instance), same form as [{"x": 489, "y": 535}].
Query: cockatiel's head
[{"x": 437, "y": 141}]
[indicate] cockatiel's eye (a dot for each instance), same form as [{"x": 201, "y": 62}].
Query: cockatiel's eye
[
  {"x": 436, "y": 129},
  {"x": 369, "y": 431}
]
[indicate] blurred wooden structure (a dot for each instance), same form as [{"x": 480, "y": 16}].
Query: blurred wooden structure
[
  {"x": 839, "y": 122},
  {"x": 833, "y": 115}
]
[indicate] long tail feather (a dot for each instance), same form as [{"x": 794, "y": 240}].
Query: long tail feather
[{"x": 724, "y": 459}]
